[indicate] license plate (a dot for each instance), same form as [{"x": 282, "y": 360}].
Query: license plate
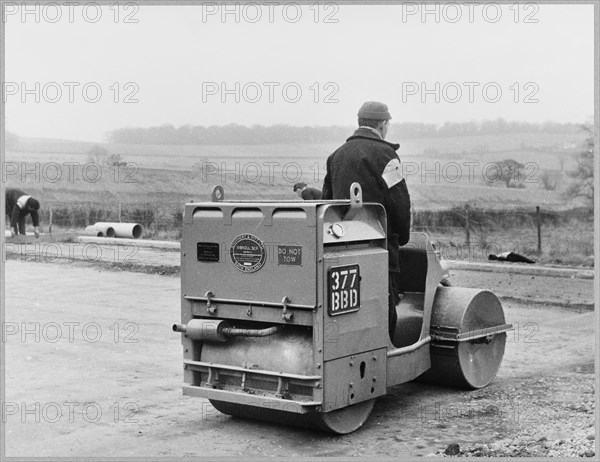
[{"x": 343, "y": 289}]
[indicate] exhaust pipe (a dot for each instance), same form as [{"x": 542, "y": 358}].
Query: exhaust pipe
[{"x": 218, "y": 330}]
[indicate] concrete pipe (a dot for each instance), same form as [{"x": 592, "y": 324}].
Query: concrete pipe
[
  {"x": 93, "y": 231},
  {"x": 103, "y": 230},
  {"x": 129, "y": 230}
]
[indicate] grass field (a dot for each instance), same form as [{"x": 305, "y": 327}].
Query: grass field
[
  {"x": 431, "y": 185},
  {"x": 441, "y": 173},
  {"x": 565, "y": 244}
]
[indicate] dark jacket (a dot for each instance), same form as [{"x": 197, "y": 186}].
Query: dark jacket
[
  {"x": 372, "y": 162},
  {"x": 16, "y": 213},
  {"x": 311, "y": 194}
]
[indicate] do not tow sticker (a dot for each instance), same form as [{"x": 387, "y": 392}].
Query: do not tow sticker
[{"x": 248, "y": 253}]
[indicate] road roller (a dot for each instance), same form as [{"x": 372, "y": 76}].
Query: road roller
[{"x": 284, "y": 312}]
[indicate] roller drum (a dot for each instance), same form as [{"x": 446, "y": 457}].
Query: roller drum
[
  {"x": 340, "y": 422},
  {"x": 291, "y": 352},
  {"x": 468, "y": 363}
]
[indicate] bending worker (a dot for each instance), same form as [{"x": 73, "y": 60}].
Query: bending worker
[
  {"x": 372, "y": 162},
  {"x": 18, "y": 206},
  {"x": 307, "y": 193}
]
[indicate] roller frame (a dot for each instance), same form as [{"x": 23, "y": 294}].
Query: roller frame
[{"x": 401, "y": 364}]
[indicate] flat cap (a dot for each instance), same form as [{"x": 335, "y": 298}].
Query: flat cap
[
  {"x": 298, "y": 186},
  {"x": 374, "y": 110}
]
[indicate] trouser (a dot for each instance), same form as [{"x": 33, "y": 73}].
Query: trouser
[
  {"x": 393, "y": 300},
  {"x": 20, "y": 224}
]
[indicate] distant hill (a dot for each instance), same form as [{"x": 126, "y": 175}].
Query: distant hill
[{"x": 233, "y": 134}]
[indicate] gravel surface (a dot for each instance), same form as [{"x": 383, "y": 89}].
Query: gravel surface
[
  {"x": 546, "y": 419},
  {"x": 541, "y": 404}
]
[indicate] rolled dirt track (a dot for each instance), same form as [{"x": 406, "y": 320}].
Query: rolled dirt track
[{"x": 93, "y": 369}]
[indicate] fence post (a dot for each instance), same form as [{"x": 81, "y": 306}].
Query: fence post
[
  {"x": 120, "y": 210},
  {"x": 156, "y": 219},
  {"x": 539, "y": 228},
  {"x": 87, "y": 214},
  {"x": 50, "y": 219},
  {"x": 467, "y": 226}
]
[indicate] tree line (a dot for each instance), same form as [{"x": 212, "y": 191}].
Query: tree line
[{"x": 275, "y": 134}]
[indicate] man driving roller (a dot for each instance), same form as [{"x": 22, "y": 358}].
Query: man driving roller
[{"x": 370, "y": 160}]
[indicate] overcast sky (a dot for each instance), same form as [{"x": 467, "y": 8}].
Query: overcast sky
[{"x": 308, "y": 66}]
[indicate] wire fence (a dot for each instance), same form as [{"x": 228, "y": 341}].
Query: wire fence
[
  {"x": 462, "y": 224},
  {"x": 467, "y": 232},
  {"x": 156, "y": 218}
]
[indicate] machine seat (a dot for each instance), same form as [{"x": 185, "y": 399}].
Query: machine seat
[
  {"x": 413, "y": 269},
  {"x": 410, "y": 319}
]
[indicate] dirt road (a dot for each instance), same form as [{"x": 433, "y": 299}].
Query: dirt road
[{"x": 93, "y": 369}]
